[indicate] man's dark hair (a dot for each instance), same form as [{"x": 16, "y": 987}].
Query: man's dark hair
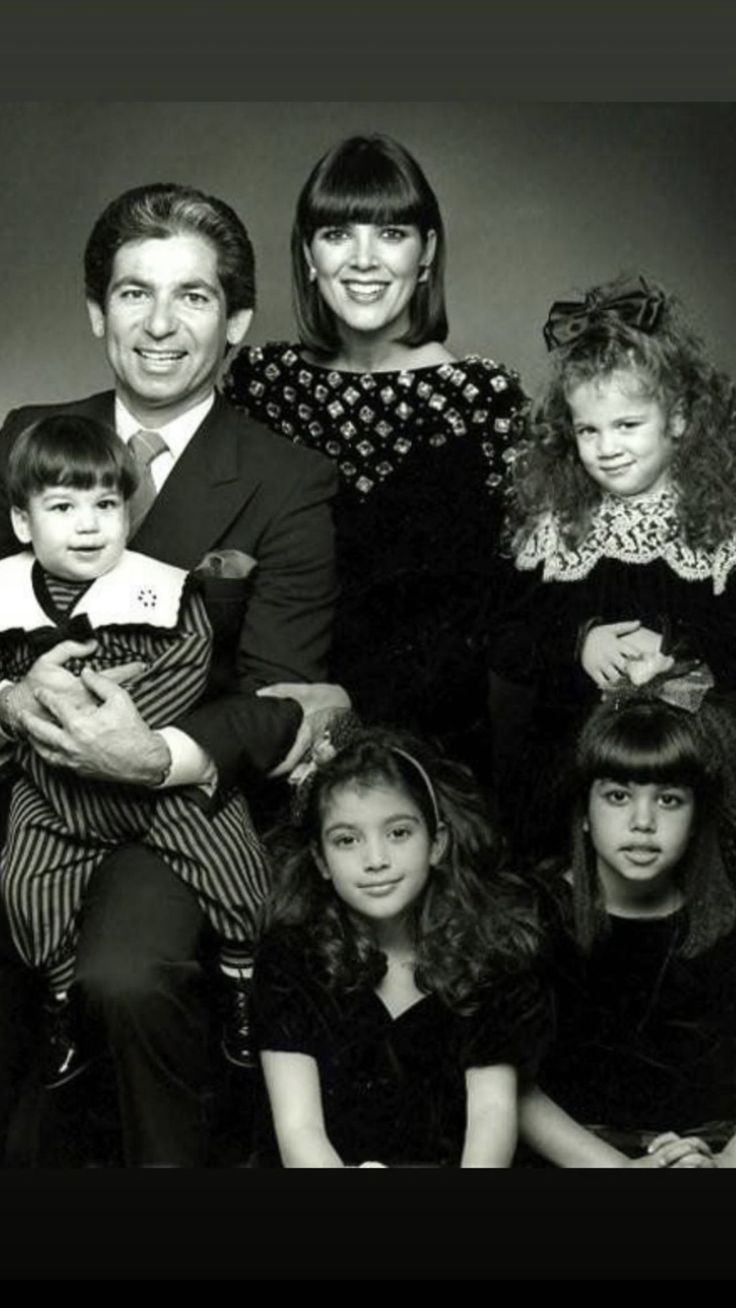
[{"x": 166, "y": 209}]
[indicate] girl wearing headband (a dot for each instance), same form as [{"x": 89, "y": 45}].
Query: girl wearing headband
[
  {"x": 643, "y": 935},
  {"x": 395, "y": 1004},
  {"x": 623, "y": 526}
]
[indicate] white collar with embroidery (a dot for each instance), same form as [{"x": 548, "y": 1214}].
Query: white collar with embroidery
[
  {"x": 629, "y": 530},
  {"x": 137, "y": 591}
]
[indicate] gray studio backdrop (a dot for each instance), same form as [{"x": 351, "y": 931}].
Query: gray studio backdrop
[{"x": 540, "y": 200}]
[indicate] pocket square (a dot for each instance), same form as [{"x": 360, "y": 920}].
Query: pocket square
[{"x": 229, "y": 564}]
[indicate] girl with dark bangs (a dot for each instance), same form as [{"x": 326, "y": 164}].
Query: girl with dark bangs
[
  {"x": 420, "y": 440},
  {"x": 395, "y": 1002},
  {"x": 623, "y": 526},
  {"x": 642, "y": 941}
]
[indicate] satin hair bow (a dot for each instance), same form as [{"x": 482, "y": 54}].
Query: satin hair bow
[
  {"x": 684, "y": 687},
  {"x": 633, "y": 303},
  {"x": 43, "y": 639}
]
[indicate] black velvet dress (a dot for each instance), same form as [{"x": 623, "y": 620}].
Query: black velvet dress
[
  {"x": 423, "y": 460},
  {"x": 646, "y": 1039},
  {"x": 393, "y": 1089}
]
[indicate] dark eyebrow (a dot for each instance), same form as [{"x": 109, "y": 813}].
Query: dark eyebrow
[
  {"x": 393, "y": 817},
  {"x": 198, "y": 284},
  {"x": 127, "y": 281}
]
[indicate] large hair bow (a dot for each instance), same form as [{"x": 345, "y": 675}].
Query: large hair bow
[
  {"x": 633, "y": 303},
  {"x": 684, "y": 687}
]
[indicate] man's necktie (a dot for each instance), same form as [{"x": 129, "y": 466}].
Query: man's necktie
[{"x": 145, "y": 446}]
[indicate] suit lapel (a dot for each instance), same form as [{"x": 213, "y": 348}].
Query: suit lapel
[
  {"x": 205, "y": 490},
  {"x": 101, "y": 407}
]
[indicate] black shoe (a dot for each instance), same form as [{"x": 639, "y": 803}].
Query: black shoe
[
  {"x": 63, "y": 1056},
  {"x": 235, "y": 1040}
]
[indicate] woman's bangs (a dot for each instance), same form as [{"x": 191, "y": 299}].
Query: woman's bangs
[{"x": 380, "y": 197}]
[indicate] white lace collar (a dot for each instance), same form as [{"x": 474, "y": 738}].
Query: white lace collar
[{"x": 637, "y": 530}]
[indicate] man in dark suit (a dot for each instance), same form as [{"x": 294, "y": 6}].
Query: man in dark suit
[{"x": 170, "y": 286}]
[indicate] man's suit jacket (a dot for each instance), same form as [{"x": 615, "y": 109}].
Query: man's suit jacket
[{"x": 237, "y": 486}]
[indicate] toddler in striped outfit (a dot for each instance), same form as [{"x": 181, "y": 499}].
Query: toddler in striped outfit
[{"x": 70, "y": 481}]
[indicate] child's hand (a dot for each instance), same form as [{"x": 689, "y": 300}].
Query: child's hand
[
  {"x": 648, "y": 666},
  {"x": 651, "y": 660},
  {"x": 672, "y": 1150},
  {"x": 606, "y": 652}
]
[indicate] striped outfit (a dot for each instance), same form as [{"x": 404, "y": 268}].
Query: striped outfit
[{"x": 60, "y": 826}]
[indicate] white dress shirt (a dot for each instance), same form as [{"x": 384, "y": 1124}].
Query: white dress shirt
[
  {"x": 176, "y": 433},
  {"x": 190, "y": 764}
]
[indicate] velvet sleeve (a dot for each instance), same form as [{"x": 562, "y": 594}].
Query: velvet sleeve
[
  {"x": 512, "y": 1024},
  {"x": 285, "y": 1005}
]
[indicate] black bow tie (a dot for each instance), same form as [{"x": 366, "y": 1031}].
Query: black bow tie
[{"x": 43, "y": 639}]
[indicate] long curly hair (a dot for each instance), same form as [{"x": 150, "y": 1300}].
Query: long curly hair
[
  {"x": 668, "y": 363},
  {"x": 648, "y": 741},
  {"x": 471, "y": 922}
]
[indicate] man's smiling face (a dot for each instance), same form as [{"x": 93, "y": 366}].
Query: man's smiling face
[{"x": 165, "y": 325}]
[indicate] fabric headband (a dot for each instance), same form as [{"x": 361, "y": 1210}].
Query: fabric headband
[
  {"x": 425, "y": 778},
  {"x": 325, "y": 749}
]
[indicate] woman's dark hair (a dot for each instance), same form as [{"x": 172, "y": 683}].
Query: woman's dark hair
[
  {"x": 644, "y": 740},
  {"x": 669, "y": 364},
  {"x": 470, "y": 921},
  {"x": 367, "y": 179},
  {"x": 165, "y": 209},
  {"x": 68, "y": 450}
]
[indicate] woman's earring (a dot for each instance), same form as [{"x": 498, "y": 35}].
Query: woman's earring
[
  {"x": 586, "y": 824},
  {"x": 312, "y": 274}
]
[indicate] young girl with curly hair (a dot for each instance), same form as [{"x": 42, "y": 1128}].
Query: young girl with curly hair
[
  {"x": 623, "y": 523},
  {"x": 642, "y": 921},
  {"x": 395, "y": 998}
]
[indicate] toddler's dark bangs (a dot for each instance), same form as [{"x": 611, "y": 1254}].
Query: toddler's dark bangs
[{"x": 83, "y": 471}]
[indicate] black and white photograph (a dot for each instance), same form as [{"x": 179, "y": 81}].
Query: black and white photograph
[
  {"x": 430, "y": 455},
  {"x": 368, "y": 636}
]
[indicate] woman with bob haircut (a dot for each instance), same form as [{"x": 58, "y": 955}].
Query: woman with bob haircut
[{"x": 419, "y": 438}]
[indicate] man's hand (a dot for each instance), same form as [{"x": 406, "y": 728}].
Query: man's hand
[
  {"x": 49, "y": 673},
  {"x": 109, "y": 741},
  {"x": 321, "y": 704}
]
